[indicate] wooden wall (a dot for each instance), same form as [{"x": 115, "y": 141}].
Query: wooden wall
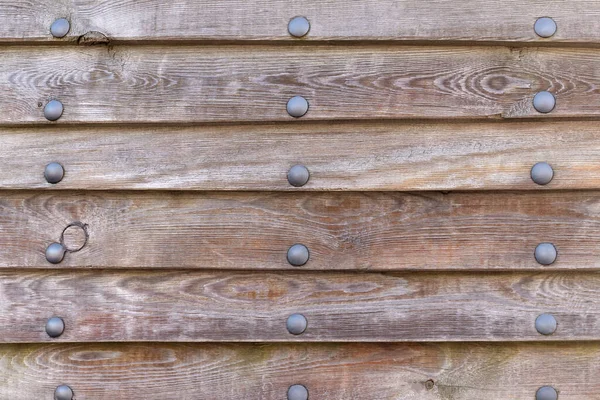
[{"x": 421, "y": 217}]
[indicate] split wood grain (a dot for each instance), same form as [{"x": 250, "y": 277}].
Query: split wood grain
[
  {"x": 188, "y": 306},
  {"x": 437, "y": 20},
  {"x": 196, "y": 84},
  {"x": 343, "y": 231},
  {"x": 160, "y": 371},
  {"x": 345, "y": 157}
]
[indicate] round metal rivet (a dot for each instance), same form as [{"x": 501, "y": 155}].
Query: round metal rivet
[
  {"x": 298, "y": 26},
  {"x": 297, "y": 392},
  {"x": 545, "y": 27},
  {"x": 63, "y": 392},
  {"x": 542, "y": 173},
  {"x": 60, "y": 28},
  {"x": 545, "y": 253},
  {"x": 544, "y": 102},
  {"x": 298, "y": 175},
  {"x": 55, "y": 327},
  {"x": 298, "y": 255},
  {"x": 546, "y": 393},
  {"x": 53, "y": 110},
  {"x": 297, "y": 106},
  {"x": 545, "y": 324},
  {"x": 54, "y": 172},
  {"x": 55, "y": 253},
  {"x": 296, "y": 324}
]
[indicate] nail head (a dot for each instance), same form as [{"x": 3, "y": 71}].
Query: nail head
[
  {"x": 60, "y": 28},
  {"x": 55, "y": 253},
  {"x": 298, "y": 255},
  {"x": 296, "y": 324},
  {"x": 298, "y": 26},
  {"x": 55, "y": 327},
  {"x": 297, "y": 106},
  {"x": 54, "y": 172},
  {"x": 297, "y": 392},
  {"x": 298, "y": 175},
  {"x": 546, "y": 393},
  {"x": 545, "y": 324},
  {"x": 542, "y": 173},
  {"x": 545, "y": 253},
  {"x": 53, "y": 110},
  {"x": 544, "y": 102},
  {"x": 63, "y": 392},
  {"x": 545, "y": 27}
]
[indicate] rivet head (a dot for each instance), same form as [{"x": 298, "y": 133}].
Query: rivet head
[
  {"x": 298, "y": 255},
  {"x": 63, "y": 392},
  {"x": 545, "y": 27},
  {"x": 53, "y": 110},
  {"x": 544, "y": 102},
  {"x": 297, "y": 392},
  {"x": 545, "y": 324},
  {"x": 298, "y": 26},
  {"x": 545, "y": 253},
  {"x": 546, "y": 393},
  {"x": 55, "y": 327},
  {"x": 542, "y": 173},
  {"x": 60, "y": 28},
  {"x": 54, "y": 172},
  {"x": 298, "y": 175},
  {"x": 297, "y": 106},
  {"x": 55, "y": 253},
  {"x": 296, "y": 324}
]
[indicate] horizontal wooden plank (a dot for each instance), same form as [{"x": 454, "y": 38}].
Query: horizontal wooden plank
[
  {"x": 193, "y": 84},
  {"x": 105, "y": 306},
  {"x": 357, "y": 156},
  {"x": 443, "y": 20},
  {"x": 342, "y": 231},
  {"x": 471, "y": 371}
]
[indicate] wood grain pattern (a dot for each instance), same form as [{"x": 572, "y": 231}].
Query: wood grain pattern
[
  {"x": 440, "y": 20},
  {"x": 343, "y": 231},
  {"x": 330, "y": 371},
  {"x": 357, "y": 156},
  {"x": 186, "y": 306},
  {"x": 193, "y": 84}
]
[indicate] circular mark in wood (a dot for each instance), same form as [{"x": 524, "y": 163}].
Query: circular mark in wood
[{"x": 74, "y": 237}]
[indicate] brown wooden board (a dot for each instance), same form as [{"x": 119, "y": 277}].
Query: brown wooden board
[
  {"x": 472, "y": 371},
  {"x": 346, "y": 156},
  {"x": 439, "y": 20},
  {"x": 193, "y": 84},
  {"x": 185, "y": 306},
  {"x": 343, "y": 231}
]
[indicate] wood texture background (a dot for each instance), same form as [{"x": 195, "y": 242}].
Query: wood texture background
[
  {"x": 466, "y": 371},
  {"x": 187, "y": 306},
  {"x": 192, "y": 84}
]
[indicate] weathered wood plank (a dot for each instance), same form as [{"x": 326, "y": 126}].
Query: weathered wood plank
[
  {"x": 192, "y": 84},
  {"x": 329, "y": 371},
  {"x": 443, "y": 20},
  {"x": 343, "y": 231},
  {"x": 357, "y": 156},
  {"x": 188, "y": 306}
]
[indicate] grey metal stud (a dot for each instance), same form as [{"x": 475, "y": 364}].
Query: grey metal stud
[
  {"x": 298, "y": 26},
  {"x": 53, "y": 110},
  {"x": 63, "y": 392},
  {"x": 545, "y": 324},
  {"x": 545, "y": 253},
  {"x": 298, "y": 175},
  {"x": 298, "y": 255},
  {"x": 54, "y": 172},
  {"x": 544, "y": 102},
  {"x": 60, "y": 28},
  {"x": 546, "y": 393},
  {"x": 545, "y": 27},
  {"x": 296, "y": 324},
  {"x": 55, "y": 253},
  {"x": 297, "y": 392},
  {"x": 542, "y": 173},
  {"x": 55, "y": 327},
  {"x": 297, "y": 106}
]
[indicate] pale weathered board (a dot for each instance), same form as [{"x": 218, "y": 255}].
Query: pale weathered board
[
  {"x": 192, "y": 84},
  {"x": 104, "y": 306},
  {"x": 405, "y": 20},
  {"x": 472, "y": 371},
  {"x": 357, "y": 156},
  {"x": 343, "y": 231}
]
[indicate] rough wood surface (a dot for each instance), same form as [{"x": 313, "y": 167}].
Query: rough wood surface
[
  {"x": 329, "y": 371},
  {"x": 443, "y": 20},
  {"x": 357, "y": 156},
  {"x": 343, "y": 231},
  {"x": 106, "y": 306},
  {"x": 192, "y": 84}
]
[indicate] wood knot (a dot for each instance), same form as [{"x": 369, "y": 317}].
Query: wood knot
[
  {"x": 74, "y": 237},
  {"x": 93, "y": 38}
]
